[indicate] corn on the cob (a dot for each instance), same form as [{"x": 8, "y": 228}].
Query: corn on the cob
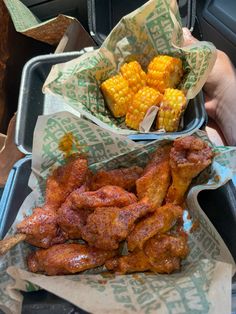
[
  {"x": 164, "y": 72},
  {"x": 171, "y": 110},
  {"x": 142, "y": 101},
  {"x": 134, "y": 75},
  {"x": 117, "y": 94}
]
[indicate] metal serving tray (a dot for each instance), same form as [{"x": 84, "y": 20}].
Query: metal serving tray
[
  {"x": 32, "y": 102},
  {"x": 114, "y": 10},
  {"x": 213, "y": 202}
]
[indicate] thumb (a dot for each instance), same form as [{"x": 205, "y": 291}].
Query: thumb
[{"x": 188, "y": 38}]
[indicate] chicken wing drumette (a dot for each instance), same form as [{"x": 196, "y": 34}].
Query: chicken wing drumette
[
  {"x": 188, "y": 157},
  {"x": 41, "y": 228}
]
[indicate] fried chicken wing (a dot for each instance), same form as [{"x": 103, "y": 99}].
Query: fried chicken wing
[
  {"x": 67, "y": 258},
  {"x": 107, "y": 227},
  {"x": 163, "y": 246},
  {"x": 139, "y": 262},
  {"x": 45, "y": 228},
  {"x": 106, "y": 196},
  {"x": 131, "y": 263},
  {"x": 188, "y": 157},
  {"x": 161, "y": 254},
  {"x": 162, "y": 220},
  {"x": 123, "y": 177},
  {"x": 72, "y": 221},
  {"x": 64, "y": 180},
  {"x": 155, "y": 179},
  {"x": 41, "y": 228}
]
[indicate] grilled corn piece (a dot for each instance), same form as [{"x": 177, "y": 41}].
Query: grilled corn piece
[
  {"x": 134, "y": 75},
  {"x": 142, "y": 101},
  {"x": 117, "y": 94},
  {"x": 171, "y": 110},
  {"x": 164, "y": 72}
]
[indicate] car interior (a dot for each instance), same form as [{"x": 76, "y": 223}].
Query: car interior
[{"x": 210, "y": 20}]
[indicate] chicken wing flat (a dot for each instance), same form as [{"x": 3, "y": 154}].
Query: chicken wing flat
[
  {"x": 41, "y": 228},
  {"x": 188, "y": 157},
  {"x": 131, "y": 263},
  {"x": 139, "y": 262},
  {"x": 156, "y": 177},
  {"x": 123, "y": 177},
  {"x": 161, "y": 254},
  {"x": 67, "y": 258},
  {"x": 64, "y": 180},
  {"x": 107, "y": 227},
  {"x": 161, "y": 221},
  {"x": 106, "y": 196}
]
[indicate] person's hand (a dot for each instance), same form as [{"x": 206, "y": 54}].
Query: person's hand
[{"x": 220, "y": 92}]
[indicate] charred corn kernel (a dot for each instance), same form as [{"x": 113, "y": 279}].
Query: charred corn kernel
[
  {"x": 171, "y": 110},
  {"x": 142, "y": 101},
  {"x": 134, "y": 75},
  {"x": 164, "y": 72},
  {"x": 117, "y": 94}
]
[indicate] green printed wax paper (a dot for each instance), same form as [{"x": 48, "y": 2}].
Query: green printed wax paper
[
  {"x": 202, "y": 286},
  {"x": 27, "y": 23},
  {"x": 153, "y": 29}
]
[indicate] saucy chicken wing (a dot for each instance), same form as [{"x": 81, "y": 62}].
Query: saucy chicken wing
[
  {"x": 162, "y": 220},
  {"x": 123, "y": 177},
  {"x": 155, "y": 179},
  {"x": 67, "y": 258},
  {"x": 106, "y": 196},
  {"x": 161, "y": 254},
  {"x": 46, "y": 227},
  {"x": 107, "y": 227},
  {"x": 188, "y": 157},
  {"x": 63, "y": 181},
  {"x": 72, "y": 221},
  {"x": 41, "y": 228}
]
